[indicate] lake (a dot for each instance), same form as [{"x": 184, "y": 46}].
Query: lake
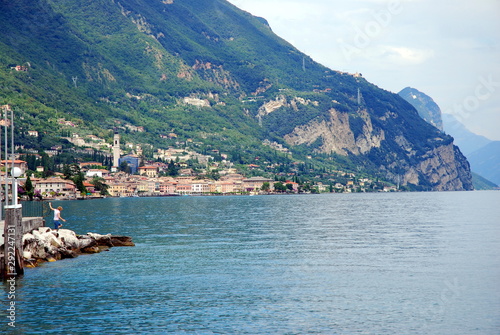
[{"x": 395, "y": 263}]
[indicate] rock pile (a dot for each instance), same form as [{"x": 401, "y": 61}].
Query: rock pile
[{"x": 48, "y": 245}]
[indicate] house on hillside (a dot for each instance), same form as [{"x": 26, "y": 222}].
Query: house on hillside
[
  {"x": 101, "y": 173},
  {"x": 21, "y": 68},
  {"x": 86, "y": 165},
  {"x": 149, "y": 171}
]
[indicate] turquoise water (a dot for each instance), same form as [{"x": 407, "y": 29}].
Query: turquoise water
[{"x": 411, "y": 263}]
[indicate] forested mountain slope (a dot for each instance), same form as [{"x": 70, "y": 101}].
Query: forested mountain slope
[{"x": 214, "y": 75}]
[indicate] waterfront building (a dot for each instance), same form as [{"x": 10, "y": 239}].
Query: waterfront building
[
  {"x": 255, "y": 184},
  {"x": 56, "y": 187}
]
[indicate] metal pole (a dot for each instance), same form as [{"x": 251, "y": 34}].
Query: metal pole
[
  {"x": 14, "y": 200},
  {"x": 6, "y": 144},
  {"x": 1, "y": 189},
  {"x": 14, "y": 191}
]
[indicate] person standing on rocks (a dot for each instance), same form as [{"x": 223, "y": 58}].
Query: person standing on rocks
[{"x": 57, "y": 216}]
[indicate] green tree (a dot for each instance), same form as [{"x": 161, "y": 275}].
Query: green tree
[
  {"x": 74, "y": 173},
  {"x": 125, "y": 167},
  {"x": 214, "y": 175},
  {"x": 67, "y": 171},
  {"x": 47, "y": 163},
  {"x": 172, "y": 169},
  {"x": 266, "y": 186},
  {"x": 99, "y": 185},
  {"x": 28, "y": 187},
  {"x": 279, "y": 187},
  {"x": 78, "y": 180}
]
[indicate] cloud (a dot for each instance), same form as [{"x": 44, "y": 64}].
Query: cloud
[
  {"x": 439, "y": 47},
  {"x": 404, "y": 55}
]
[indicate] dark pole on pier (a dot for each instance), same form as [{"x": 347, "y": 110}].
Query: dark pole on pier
[{"x": 13, "y": 262}]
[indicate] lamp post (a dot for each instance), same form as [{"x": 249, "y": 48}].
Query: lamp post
[{"x": 15, "y": 172}]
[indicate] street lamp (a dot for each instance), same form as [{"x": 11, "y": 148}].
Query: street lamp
[{"x": 16, "y": 173}]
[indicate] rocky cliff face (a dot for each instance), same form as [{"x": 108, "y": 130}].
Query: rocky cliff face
[
  {"x": 448, "y": 167},
  {"x": 337, "y": 136},
  {"x": 444, "y": 168},
  {"x": 388, "y": 140}
]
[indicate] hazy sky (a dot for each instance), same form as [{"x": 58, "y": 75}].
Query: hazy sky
[{"x": 449, "y": 50}]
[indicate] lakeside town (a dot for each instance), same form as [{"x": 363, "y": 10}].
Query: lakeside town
[
  {"x": 171, "y": 174},
  {"x": 148, "y": 182}
]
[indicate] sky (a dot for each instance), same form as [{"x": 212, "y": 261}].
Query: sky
[{"x": 449, "y": 50}]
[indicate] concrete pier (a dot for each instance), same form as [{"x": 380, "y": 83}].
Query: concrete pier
[{"x": 11, "y": 249}]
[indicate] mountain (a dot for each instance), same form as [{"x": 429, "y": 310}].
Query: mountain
[
  {"x": 425, "y": 106},
  {"x": 429, "y": 110},
  {"x": 482, "y": 184},
  {"x": 206, "y": 75},
  {"x": 486, "y": 161},
  {"x": 467, "y": 141},
  {"x": 482, "y": 154}
]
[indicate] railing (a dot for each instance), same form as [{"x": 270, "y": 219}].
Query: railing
[{"x": 32, "y": 209}]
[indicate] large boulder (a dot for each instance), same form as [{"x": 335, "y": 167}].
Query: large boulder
[
  {"x": 101, "y": 240},
  {"x": 122, "y": 241},
  {"x": 45, "y": 244}
]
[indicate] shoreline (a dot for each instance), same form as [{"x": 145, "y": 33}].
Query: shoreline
[
  {"x": 245, "y": 194},
  {"x": 45, "y": 244}
]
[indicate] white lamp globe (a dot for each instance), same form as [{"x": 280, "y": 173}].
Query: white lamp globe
[{"x": 16, "y": 172}]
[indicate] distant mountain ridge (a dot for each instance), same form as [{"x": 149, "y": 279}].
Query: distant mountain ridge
[
  {"x": 481, "y": 183},
  {"x": 429, "y": 110},
  {"x": 467, "y": 141},
  {"x": 214, "y": 76},
  {"x": 425, "y": 106},
  {"x": 486, "y": 161},
  {"x": 482, "y": 153}
]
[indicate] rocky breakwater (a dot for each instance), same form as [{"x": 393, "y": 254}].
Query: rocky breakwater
[{"x": 48, "y": 245}]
